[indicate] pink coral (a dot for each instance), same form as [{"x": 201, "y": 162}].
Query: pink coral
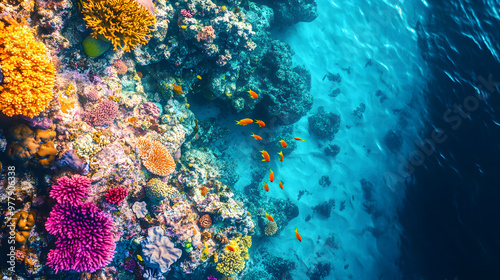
[
  {"x": 116, "y": 195},
  {"x": 151, "y": 109},
  {"x": 104, "y": 114},
  {"x": 207, "y": 34},
  {"x": 223, "y": 59},
  {"x": 186, "y": 13},
  {"x": 70, "y": 190},
  {"x": 121, "y": 67}
]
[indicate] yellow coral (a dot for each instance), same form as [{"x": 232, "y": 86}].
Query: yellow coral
[
  {"x": 125, "y": 23},
  {"x": 28, "y": 72},
  {"x": 271, "y": 228},
  {"x": 230, "y": 263}
]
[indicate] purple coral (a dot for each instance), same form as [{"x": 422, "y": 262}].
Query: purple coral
[
  {"x": 84, "y": 237},
  {"x": 70, "y": 190},
  {"x": 151, "y": 109},
  {"x": 104, "y": 114}
]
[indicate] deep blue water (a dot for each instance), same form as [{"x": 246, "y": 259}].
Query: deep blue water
[{"x": 451, "y": 214}]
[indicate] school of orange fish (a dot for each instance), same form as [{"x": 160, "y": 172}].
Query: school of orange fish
[{"x": 266, "y": 156}]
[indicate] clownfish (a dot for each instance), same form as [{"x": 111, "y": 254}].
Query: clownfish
[
  {"x": 260, "y": 123},
  {"x": 266, "y": 156},
  {"x": 244, "y": 121},
  {"x": 281, "y": 155},
  {"x": 283, "y": 143},
  {"x": 269, "y": 217},
  {"x": 299, "y": 139},
  {"x": 257, "y": 137},
  {"x": 252, "y": 94},
  {"x": 271, "y": 176},
  {"x": 298, "y": 235},
  {"x": 266, "y": 187},
  {"x": 281, "y": 185}
]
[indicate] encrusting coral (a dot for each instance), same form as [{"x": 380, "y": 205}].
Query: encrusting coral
[
  {"x": 28, "y": 72},
  {"x": 125, "y": 23}
]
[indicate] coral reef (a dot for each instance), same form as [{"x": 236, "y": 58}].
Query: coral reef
[
  {"x": 28, "y": 74},
  {"x": 324, "y": 125},
  {"x": 156, "y": 190},
  {"x": 271, "y": 228},
  {"x": 70, "y": 191},
  {"x": 126, "y": 24},
  {"x": 103, "y": 114},
  {"x": 31, "y": 147}
]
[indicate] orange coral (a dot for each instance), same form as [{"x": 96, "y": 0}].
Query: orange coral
[
  {"x": 155, "y": 157},
  {"x": 177, "y": 89},
  {"x": 28, "y": 72},
  {"x": 203, "y": 190},
  {"x": 125, "y": 23}
]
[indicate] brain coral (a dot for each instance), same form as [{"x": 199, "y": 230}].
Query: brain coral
[
  {"x": 158, "y": 251},
  {"x": 271, "y": 228},
  {"x": 125, "y": 23},
  {"x": 155, "y": 157},
  {"x": 158, "y": 190},
  {"x": 28, "y": 72}
]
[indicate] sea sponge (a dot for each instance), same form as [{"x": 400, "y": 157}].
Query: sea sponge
[
  {"x": 24, "y": 223},
  {"x": 157, "y": 190},
  {"x": 28, "y": 72},
  {"x": 155, "y": 157},
  {"x": 125, "y": 23},
  {"x": 230, "y": 263},
  {"x": 271, "y": 228},
  {"x": 32, "y": 147}
]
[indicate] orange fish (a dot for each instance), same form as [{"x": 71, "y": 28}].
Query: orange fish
[
  {"x": 281, "y": 155},
  {"x": 266, "y": 187},
  {"x": 298, "y": 235},
  {"x": 260, "y": 123},
  {"x": 283, "y": 143},
  {"x": 269, "y": 217},
  {"x": 265, "y": 155},
  {"x": 271, "y": 176},
  {"x": 244, "y": 121},
  {"x": 252, "y": 94},
  {"x": 230, "y": 248},
  {"x": 299, "y": 139},
  {"x": 257, "y": 137},
  {"x": 281, "y": 185}
]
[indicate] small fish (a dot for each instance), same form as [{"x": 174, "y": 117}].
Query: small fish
[
  {"x": 244, "y": 121},
  {"x": 281, "y": 185},
  {"x": 139, "y": 258},
  {"x": 271, "y": 176},
  {"x": 281, "y": 156},
  {"x": 198, "y": 76},
  {"x": 252, "y": 94},
  {"x": 283, "y": 143},
  {"x": 269, "y": 217},
  {"x": 223, "y": 8},
  {"x": 260, "y": 123},
  {"x": 266, "y": 187},
  {"x": 299, "y": 139},
  {"x": 266, "y": 156},
  {"x": 298, "y": 235},
  {"x": 184, "y": 26},
  {"x": 257, "y": 137},
  {"x": 230, "y": 248},
  {"x": 229, "y": 94}
]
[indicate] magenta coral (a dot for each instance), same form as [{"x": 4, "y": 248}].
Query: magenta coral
[
  {"x": 70, "y": 190},
  {"x": 116, "y": 195},
  {"x": 151, "y": 109},
  {"x": 104, "y": 114},
  {"x": 84, "y": 237}
]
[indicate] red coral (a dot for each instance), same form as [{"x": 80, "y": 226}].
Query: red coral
[
  {"x": 116, "y": 195},
  {"x": 205, "y": 221}
]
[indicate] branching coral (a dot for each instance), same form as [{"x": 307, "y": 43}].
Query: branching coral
[
  {"x": 70, "y": 190},
  {"x": 155, "y": 157},
  {"x": 125, "y": 23},
  {"x": 28, "y": 72}
]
